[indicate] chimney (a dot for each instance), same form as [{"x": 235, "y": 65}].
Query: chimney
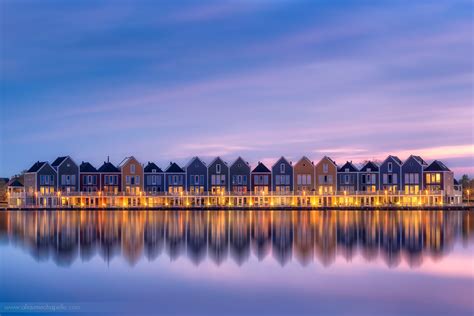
[{"x": 108, "y": 159}]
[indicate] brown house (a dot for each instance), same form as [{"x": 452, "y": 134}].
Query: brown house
[
  {"x": 303, "y": 173},
  {"x": 326, "y": 176},
  {"x": 132, "y": 175}
]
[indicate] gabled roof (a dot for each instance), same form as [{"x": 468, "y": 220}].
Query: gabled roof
[
  {"x": 174, "y": 168},
  {"x": 152, "y": 166},
  {"x": 419, "y": 159},
  {"x": 304, "y": 158},
  {"x": 261, "y": 168},
  {"x": 58, "y": 161},
  {"x": 370, "y": 164},
  {"x": 281, "y": 158},
  {"x": 349, "y": 165},
  {"x": 108, "y": 167},
  {"x": 217, "y": 158},
  {"x": 328, "y": 158},
  {"x": 241, "y": 159},
  {"x": 87, "y": 167},
  {"x": 395, "y": 158},
  {"x": 37, "y": 166},
  {"x": 15, "y": 183},
  {"x": 193, "y": 159},
  {"x": 437, "y": 166},
  {"x": 125, "y": 160},
  {"x": 456, "y": 182}
]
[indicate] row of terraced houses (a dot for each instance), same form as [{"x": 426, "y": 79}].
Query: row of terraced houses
[{"x": 131, "y": 183}]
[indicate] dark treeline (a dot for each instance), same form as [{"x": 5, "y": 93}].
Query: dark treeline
[{"x": 66, "y": 236}]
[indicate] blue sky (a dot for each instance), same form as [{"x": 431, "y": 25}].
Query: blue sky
[{"x": 166, "y": 81}]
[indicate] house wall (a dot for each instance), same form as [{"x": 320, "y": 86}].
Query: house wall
[
  {"x": 135, "y": 185},
  {"x": 396, "y": 169},
  {"x": 196, "y": 168},
  {"x": 258, "y": 184},
  {"x": 175, "y": 186},
  {"x": 68, "y": 168},
  {"x": 303, "y": 167},
  {"x": 276, "y": 171},
  {"x": 111, "y": 187},
  {"x": 240, "y": 168},
  {"x": 411, "y": 165},
  {"x": 329, "y": 186},
  {"x": 351, "y": 185},
  {"x": 211, "y": 170},
  {"x": 364, "y": 187},
  {"x": 85, "y": 186},
  {"x": 160, "y": 182}
]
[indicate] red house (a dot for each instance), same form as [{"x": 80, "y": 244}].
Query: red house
[
  {"x": 110, "y": 178},
  {"x": 89, "y": 178}
]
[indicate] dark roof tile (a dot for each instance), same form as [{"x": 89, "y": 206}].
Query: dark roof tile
[
  {"x": 87, "y": 167},
  {"x": 36, "y": 166},
  {"x": 58, "y": 161},
  {"x": 437, "y": 166},
  {"x": 108, "y": 167},
  {"x": 152, "y": 166},
  {"x": 370, "y": 164},
  {"x": 261, "y": 168},
  {"x": 348, "y": 165},
  {"x": 174, "y": 168}
]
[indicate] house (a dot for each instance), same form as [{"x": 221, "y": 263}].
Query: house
[
  {"x": 110, "y": 178},
  {"x": 369, "y": 177},
  {"x": 304, "y": 176},
  {"x": 261, "y": 179},
  {"x": 16, "y": 192},
  {"x": 196, "y": 176},
  {"x": 89, "y": 178},
  {"x": 282, "y": 177},
  {"x": 154, "y": 181},
  {"x": 326, "y": 176},
  {"x": 239, "y": 174},
  {"x": 132, "y": 175},
  {"x": 412, "y": 174},
  {"x": 347, "y": 178},
  {"x": 218, "y": 176},
  {"x": 391, "y": 174},
  {"x": 40, "y": 183},
  {"x": 175, "y": 179},
  {"x": 68, "y": 174},
  {"x": 439, "y": 179}
]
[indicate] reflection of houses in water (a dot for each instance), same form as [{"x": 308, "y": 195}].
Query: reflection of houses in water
[
  {"x": 218, "y": 237},
  {"x": 282, "y": 239},
  {"x": 392, "y": 235},
  {"x": 175, "y": 233},
  {"x": 303, "y": 236},
  {"x": 239, "y": 232},
  {"x": 196, "y": 236},
  {"x": 154, "y": 234},
  {"x": 261, "y": 233}
]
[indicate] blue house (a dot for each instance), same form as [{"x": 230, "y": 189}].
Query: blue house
[
  {"x": 240, "y": 176},
  {"x": 369, "y": 178},
  {"x": 68, "y": 174},
  {"x": 40, "y": 180},
  {"x": 347, "y": 178},
  {"x": 261, "y": 179},
  {"x": 175, "y": 181},
  {"x": 218, "y": 176},
  {"x": 154, "y": 179},
  {"x": 412, "y": 174},
  {"x": 282, "y": 174},
  {"x": 391, "y": 174},
  {"x": 196, "y": 176}
]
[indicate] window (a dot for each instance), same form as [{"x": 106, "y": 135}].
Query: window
[
  {"x": 127, "y": 179},
  {"x": 132, "y": 169},
  {"x": 374, "y": 179},
  {"x": 282, "y": 168},
  {"x": 137, "y": 180},
  {"x": 299, "y": 180},
  {"x": 89, "y": 179},
  {"x": 277, "y": 180},
  {"x": 389, "y": 167},
  {"x": 244, "y": 178},
  {"x": 346, "y": 179},
  {"x": 196, "y": 179},
  {"x": 153, "y": 180},
  {"x": 325, "y": 167},
  {"x": 308, "y": 179},
  {"x": 218, "y": 168}
]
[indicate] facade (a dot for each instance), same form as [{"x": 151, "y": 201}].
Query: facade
[
  {"x": 282, "y": 177},
  {"x": 110, "y": 178},
  {"x": 68, "y": 174},
  {"x": 438, "y": 178},
  {"x": 175, "y": 182},
  {"x": 132, "y": 175},
  {"x": 89, "y": 178},
  {"x": 347, "y": 178},
  {"x": 196, "y": 176},
  {"x": 304, "y": 176},
  {"x": 261, "y": 179},
  {"x": 412, "y": 174},
  {"x": 239, "y": 174},
  {"x": 218, "y": 176},
  {"x": 40, "y": 179},
  {"x": 369, "y": 178},
  {"x": 391, "y": 174},
  {"x": 15, "y": 192},
  {"x": 326, "y": 176},
  {"x": 154, "y": 179}
]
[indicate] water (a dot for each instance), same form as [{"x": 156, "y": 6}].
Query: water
[{"x": 238, "y": 262}]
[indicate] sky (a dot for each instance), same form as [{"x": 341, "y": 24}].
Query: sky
[{"x": 166, "y": 81}]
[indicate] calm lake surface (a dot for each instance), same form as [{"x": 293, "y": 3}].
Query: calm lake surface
[{"x": 238, "y": 262}]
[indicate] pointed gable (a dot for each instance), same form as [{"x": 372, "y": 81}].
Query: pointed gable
[
  {"x": 195, "y": 160},
  {"x": 281, "y": 160},
  {"x": 152, "y": 167},
  {"x": 261, "y": 168},
  {"x": 326, "y": 158},
  {"x": 36, "y": 166},
  {"x": 392, "y": 158},
  {"x": 304, "y": 161},
  {"x": 58, "y": 161},
  {"x": 348, "y": 167},
  {"x": 108, "y": 167},
  {"x": 437, "y": 166},
  {"x": 370, "y": 165},
  {"x": 87, "y": 167},
  {"x": 127, "y": 160},
  {"x": 15, "y": 183},
  {"x": 174, "y": 168},
  {"x": 420, "y": 160},
  {"x": 240, "y": 161}
]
